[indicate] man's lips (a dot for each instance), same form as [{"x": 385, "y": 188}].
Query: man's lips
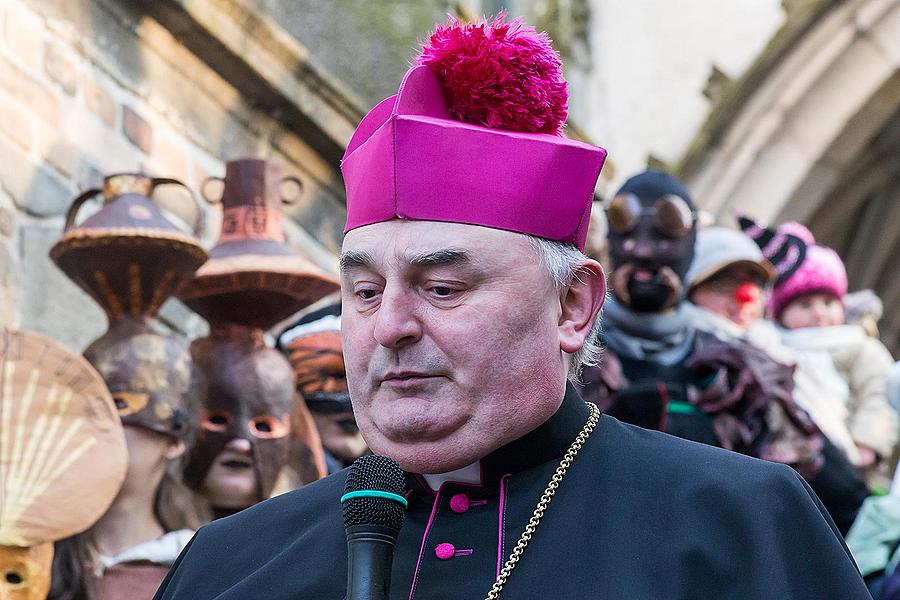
[
  {"x": 236, "y": 462},
  {"x": 643, "y": 275},
  {"x": 401, "y": 379}
]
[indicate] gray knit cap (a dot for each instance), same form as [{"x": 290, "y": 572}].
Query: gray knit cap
[{"x": 718, "y": 248}]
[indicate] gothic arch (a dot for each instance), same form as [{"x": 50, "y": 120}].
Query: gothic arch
[{"x": 813, "y": 134}]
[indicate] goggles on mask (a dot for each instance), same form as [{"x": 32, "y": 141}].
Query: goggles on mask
[{"x": 672, "y": 216}]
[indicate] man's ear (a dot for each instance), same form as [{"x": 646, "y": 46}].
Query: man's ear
[
  {"x": 580, "y": 303},
  {"x": 176, "y": 448}
]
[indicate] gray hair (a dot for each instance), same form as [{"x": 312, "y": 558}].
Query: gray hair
[{"x": 564, "y": 262}]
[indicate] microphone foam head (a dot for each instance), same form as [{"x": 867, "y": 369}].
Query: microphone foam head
[{"x": 378, "y": 473}]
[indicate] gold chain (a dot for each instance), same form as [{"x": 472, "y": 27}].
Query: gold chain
[{"x": 542, "y": 504}]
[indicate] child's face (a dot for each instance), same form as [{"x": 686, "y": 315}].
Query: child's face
[
  {"x": 813, "y": 310},
  {"x": 735, "y": 293}
]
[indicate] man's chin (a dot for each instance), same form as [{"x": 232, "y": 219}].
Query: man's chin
[
  {"x": 431, "y": 458},
  {"x": 650, "y": 297},
  {"x": 231, "y": 497},
  {"x": 417, "y": 418},
  {"x": 426, "y": 429},
  {"x": 440, "y": 451}
]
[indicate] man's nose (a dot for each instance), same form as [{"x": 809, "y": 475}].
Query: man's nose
[
  {"x": 642, "y": 248},
  {"x": 396, "y": 323},
  {"x": 239, "y": 446},
  {"x": 820, "y": 311}
]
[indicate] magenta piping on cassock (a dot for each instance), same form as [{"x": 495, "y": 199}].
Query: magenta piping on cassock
[{"x": 434, "y": 507}]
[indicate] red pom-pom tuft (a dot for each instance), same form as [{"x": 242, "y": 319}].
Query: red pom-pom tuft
[{"x": 499, "y": 75}]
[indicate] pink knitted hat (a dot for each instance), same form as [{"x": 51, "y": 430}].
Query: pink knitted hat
[
  {"x": 821, "y": 271},
  {"x": 473, "y": 136}
]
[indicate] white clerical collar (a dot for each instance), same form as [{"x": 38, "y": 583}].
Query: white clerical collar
[{"x": 469, "y": 474}]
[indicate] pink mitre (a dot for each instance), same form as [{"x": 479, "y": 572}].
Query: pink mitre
[{"x": 473, "y": 136}]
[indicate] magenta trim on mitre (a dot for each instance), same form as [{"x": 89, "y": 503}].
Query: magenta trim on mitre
[{"x": 409, "y": 160}]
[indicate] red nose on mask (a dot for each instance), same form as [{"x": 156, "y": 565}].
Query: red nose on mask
[{"x": 747, "y": 293}]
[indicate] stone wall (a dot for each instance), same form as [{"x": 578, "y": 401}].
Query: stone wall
[
  {"x": 366, "y": 43},
  {"x": 89, "y": 87}
]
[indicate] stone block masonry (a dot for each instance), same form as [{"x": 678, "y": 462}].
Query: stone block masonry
[{"x": 89, "y": 87}]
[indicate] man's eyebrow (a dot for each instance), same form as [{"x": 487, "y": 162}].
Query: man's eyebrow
[
  {"x": 444, "y": 256},
  {"x": 355, "y": 259}
]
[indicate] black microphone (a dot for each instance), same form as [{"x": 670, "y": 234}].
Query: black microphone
[{"x": 373, "y": 508}]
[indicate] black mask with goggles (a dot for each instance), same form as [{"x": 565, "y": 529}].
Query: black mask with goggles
[{"x": 652, "y": 230}]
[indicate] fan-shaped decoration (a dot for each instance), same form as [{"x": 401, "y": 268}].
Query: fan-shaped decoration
[
  {"x": 62, "y": 449},
  {"x": 253, "y": 278},
  {"x": 127, "y": 256}
]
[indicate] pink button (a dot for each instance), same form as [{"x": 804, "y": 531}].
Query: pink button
[
  {"x": 459, "y": 503},
  {"x": 445, "y": 551}
]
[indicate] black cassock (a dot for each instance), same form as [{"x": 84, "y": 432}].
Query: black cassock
[{"x": 640, "y": 515}]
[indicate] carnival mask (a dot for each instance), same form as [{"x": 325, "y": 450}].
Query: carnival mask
[
  {"x": 147, "y": 373},
  {"x": 313, "y": 346},
  {"x": 318, "y": 364},
  {"x": 652, "y": 230},
  {"x": 245, "y": 390},
  {"x": 25, "y": 572}
]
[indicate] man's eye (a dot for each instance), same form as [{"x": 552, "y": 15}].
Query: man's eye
[
  {"x": 366, "y": 294},
  {"x": 442, "y": 290}
]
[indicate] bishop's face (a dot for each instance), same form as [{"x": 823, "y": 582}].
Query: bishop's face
[{"x": 451, "y": 343}]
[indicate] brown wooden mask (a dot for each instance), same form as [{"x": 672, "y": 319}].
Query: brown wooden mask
[
  {"x": 314, "y": 349},
  {"x": 242, "y": 389},
  {"x": 147, "y": 373},
  {"x": 318, "y": 364}
]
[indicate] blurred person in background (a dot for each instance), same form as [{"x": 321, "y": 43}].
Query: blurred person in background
[
  {"x": 244, "y": 395},
  {"x": 874, "y": 539},
  {"x": 126, "y": 553},
  {"x": 808, "y": 305},
  {"x": 728, "y": 284},
  {"x": 892, "y": 389},
  {"x": 728, "y": 278},
  {"x": 313, "y": 347},
  {"x": 864, "y": 308},
  {"x": 659, "y": 371}
]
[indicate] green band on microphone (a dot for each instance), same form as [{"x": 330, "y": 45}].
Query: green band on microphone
[{"x": 375, "y": 494}]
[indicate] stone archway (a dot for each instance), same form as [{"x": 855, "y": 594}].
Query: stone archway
[{"x": 813, "y": 134}]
